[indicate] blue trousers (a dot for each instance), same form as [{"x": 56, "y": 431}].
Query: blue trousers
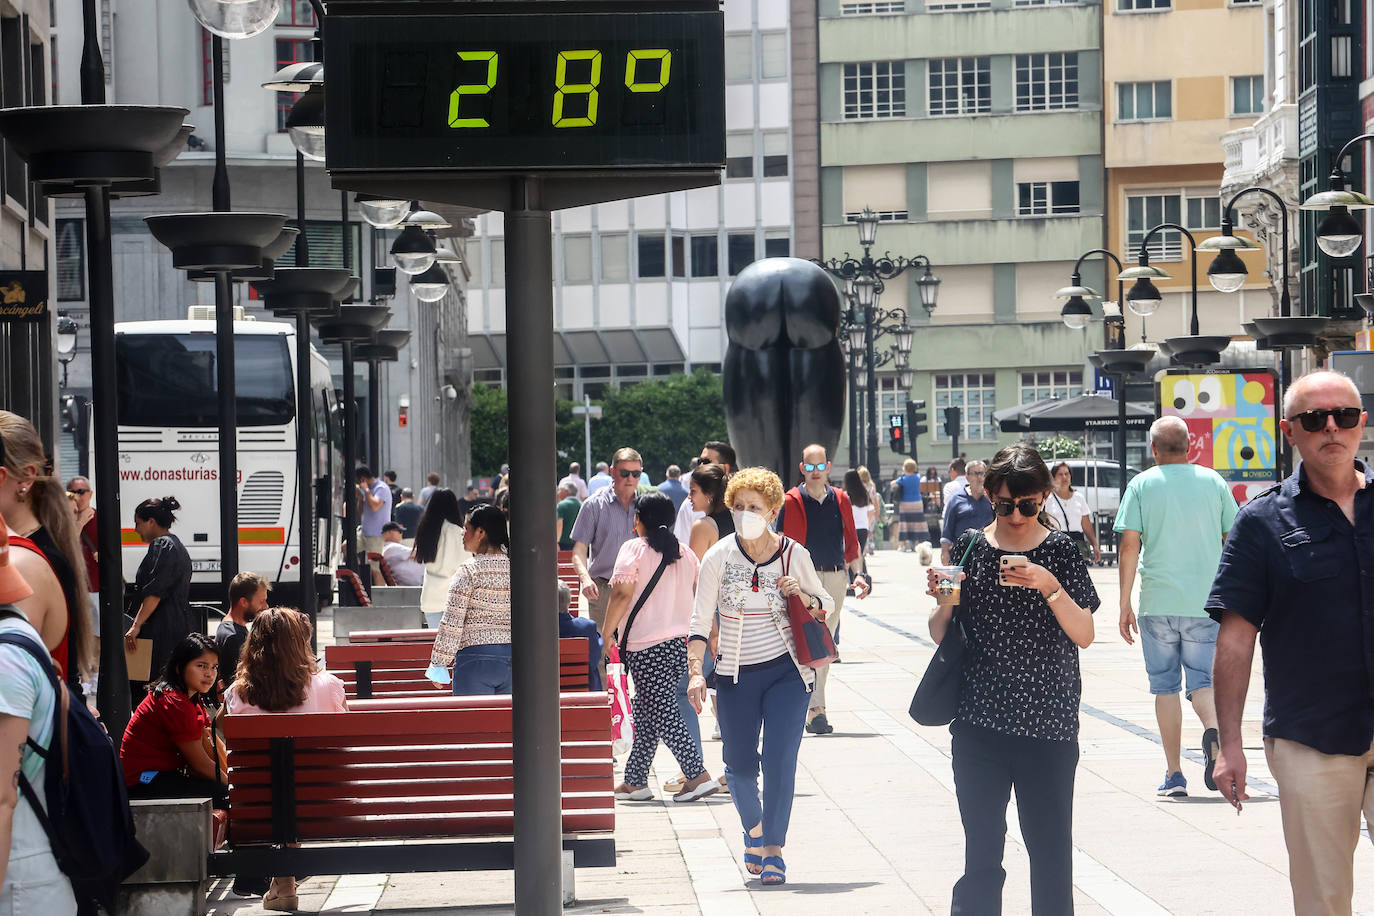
[
  {"x": 479, "y": 670},
  {"x": 770, "y": 698},
  {"x": 684, "y": 705}
]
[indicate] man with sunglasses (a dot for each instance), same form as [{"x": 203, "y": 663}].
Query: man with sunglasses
[
  {"x": 713, "y": 452},
  {"x": 821, "y": 519},
  {"x": 1295, "y": 573},
  {"x": 1172, "y": 523},
  {"x": 605, "y": 521},
  {"x": 967, "y": 506}
]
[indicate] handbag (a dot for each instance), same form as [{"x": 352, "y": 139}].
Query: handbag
[
  {"x": 618, "y": 690},
  {"x": 815, "y": 645},
  {"x": 936, "y": 700}
]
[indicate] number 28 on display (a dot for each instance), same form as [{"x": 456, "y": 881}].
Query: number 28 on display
[{"x": 646, "y": 70}]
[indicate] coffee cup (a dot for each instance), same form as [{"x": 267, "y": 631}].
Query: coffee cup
[{"x": 947, "y": 584}]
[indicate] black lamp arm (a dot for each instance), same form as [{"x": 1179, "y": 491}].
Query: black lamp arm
[
  {"x": 1192, "y": 242},
  {"x": 1285, "y": 304},
  {"x": 1337, "y": 173}
]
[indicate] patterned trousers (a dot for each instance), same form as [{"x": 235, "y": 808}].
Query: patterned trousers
[{"x": 656, "y": 672}]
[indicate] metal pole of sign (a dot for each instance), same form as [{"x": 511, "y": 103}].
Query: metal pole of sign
[
  {"x": 587, "y": 432},
  {"x": 305, "y": 475},
  {"x": 534, "y": 632}
]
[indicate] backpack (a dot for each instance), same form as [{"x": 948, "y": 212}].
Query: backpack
[{"x": 87, "y": 819}]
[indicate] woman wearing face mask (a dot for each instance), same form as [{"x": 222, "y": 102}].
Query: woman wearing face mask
[
  {"x": 474, "y": 636},
  {"x": 760, "y": 683},
  {"x": 656, "y": 575},
  {"x": 1017, "y": 721}
]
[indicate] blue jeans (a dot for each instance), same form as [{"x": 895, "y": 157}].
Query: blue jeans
[
  {"x": 479, "y": 670},
  {"x": 1176, "y": 646},
  {"x": 771, "y": 697}
]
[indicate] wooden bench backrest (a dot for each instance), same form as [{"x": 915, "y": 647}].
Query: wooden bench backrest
[
  {"x": 349, "y": 579},
  {"x": 397, "y": 668},
  {"x": 402, "y": 768}
]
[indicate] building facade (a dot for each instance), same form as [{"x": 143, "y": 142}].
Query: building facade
[
  {"x": 156, "y": 53},
  {"x": 639, "y": 284},
  {"x": 28, "y": 369},
  {"x": 974, "y": 129}
]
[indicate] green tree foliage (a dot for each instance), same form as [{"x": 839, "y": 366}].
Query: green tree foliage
[{"x": 666, "y": 420}]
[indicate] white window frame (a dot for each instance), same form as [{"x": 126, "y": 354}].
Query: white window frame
[
  {"x": 884, "y": 216},
  {"x": 982, "y": 429},
  {"x": 884, "y": 81},
  {"x": 1168, "y": 245},
  {"x": 1168, "y": 89},
  {"x": 956, "y": 6},
  {"x": 1039, "y": 384},
  {"x": 1043, "y": 201},
  {"x": 1256, "y": 79},
  {"x": 1144, "y": 6},
  {"x": 873, "y": 8},
  {"x": 1039, "y": 70},
  {"x": 972, "y": 83}
]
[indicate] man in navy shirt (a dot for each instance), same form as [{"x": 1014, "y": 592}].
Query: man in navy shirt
[
  {"x": 1295, "y": 573},
  {"x": 965, "y": 509},
  {"x": 570, "y": 627}
]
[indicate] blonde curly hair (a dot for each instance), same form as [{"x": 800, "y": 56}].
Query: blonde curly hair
[{"x": 761, "y": 480}]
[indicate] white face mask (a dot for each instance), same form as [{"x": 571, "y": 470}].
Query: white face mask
[{"x": 750, "y": 525}]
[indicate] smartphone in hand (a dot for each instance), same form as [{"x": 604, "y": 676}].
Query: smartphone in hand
[{"x": 1010, "y": 561}]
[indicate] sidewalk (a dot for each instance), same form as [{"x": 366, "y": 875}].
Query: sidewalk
[{"x": 875, "y": 827}]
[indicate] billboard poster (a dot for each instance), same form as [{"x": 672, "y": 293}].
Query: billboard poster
[{"x": 1231, "y": 428}]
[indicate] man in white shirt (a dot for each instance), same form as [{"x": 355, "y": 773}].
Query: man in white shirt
[
  {"x": 601, "y": 478},
  {"x": 957, "y": 480},
  {"x": 575, "y": 481},
  {"x": 397, "y": 555}
]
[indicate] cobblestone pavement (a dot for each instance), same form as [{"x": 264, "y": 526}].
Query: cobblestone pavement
[{"x": 875, "y": 828}]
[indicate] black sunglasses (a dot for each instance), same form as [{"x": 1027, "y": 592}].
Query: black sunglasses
[
  {"x": 1027, "y": 507},
  {"x": 78, "y": 492},
  {"x": 1315, "y": 420},
  {"x": 627, "y": 473}
]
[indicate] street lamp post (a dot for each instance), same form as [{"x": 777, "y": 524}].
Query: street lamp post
[
  {"x": 66, "y": 343},
  {"x": 1144, "y": 299},
  {"x": 865, "y": 322}
]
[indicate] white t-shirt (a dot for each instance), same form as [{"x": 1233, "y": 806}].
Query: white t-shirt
[
  {"x": 956, "y": 485},
  {"x": 1067, "y": 513},
  {"x": 860, "y": 516}
]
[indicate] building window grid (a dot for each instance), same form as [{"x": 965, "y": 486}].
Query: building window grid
[
  {"x": 875, "y": 89},
  {"x": 1038, "y": 386},
  {"x": 1047, "y": 198},
  {"x": 873, "y": 8},
  {"x": 891, "y": 401},
  {"x": 70, "y": 246},
  {"x": 1197, "y": 210},
  {"x": 976, "y": 394},
  {"x": 884, "y": 216},
  {"x": 1047, "y": 82},
  {"x": 1044, "y": 2},
  {"x": 289, "y": 51},
  {"x": 1149, "y": 101},
  {"x": 1247, "y": 95},
  {"x": 297, "y": 14},
  {"x": 955, "y": 6},
  {"x": 1143, "y": 6},
  {"x": 960, "y": 85}
]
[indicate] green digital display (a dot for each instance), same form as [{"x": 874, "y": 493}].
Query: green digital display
[{"x": 538, "y": 86}]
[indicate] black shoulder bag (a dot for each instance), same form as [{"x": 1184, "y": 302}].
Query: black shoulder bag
[
  {"x": 634, "y": 612},
  {"x": 936, "y": 701}
]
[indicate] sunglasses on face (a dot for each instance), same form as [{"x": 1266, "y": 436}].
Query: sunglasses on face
[
  {"x": 78, "y": 492},
  {"x": 1029, "y": 507},
  {"x": 627, "y": 473},
  {"x": 808, "y": 467},
  {"x": 1315, "y": 420}
]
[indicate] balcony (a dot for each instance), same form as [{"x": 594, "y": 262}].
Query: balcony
[{"x": 1262, "y": 152}]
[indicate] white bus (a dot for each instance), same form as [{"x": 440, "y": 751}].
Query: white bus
[{"x": 168, "y": 446}]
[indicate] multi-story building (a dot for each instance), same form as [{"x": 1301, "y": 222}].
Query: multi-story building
[
  {"x": 156, "y": 53},
  {"x": 27, "y": 369},
  {"x": 639, "y": 284},
  {"x": 974, "y": 129},
  {"x": 1180, "y": 74}
]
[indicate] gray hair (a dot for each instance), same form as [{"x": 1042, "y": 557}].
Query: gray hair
[
  {"x": 674, "y": 472},
  {"x": 1318, "y": 375},
  {"x": 975, "y": 463},
  {"x": 567, "y": 489},
  {"x": 564, "y": 596},
  {"x": 1169, "y": 436}
]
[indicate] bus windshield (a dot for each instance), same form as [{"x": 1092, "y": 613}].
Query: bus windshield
[{"x": 169, "y": 380}]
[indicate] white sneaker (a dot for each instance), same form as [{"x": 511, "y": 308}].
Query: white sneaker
[
  {"x": 624, "y": 792},
  {"x": 702, "y": 789},
  {"x": 715, "y": 732}
]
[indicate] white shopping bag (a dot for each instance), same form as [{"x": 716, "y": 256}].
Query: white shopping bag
[{"x": 618, "y": 687}]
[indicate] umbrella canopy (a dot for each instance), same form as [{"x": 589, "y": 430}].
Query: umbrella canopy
[{"x": 1085, "y": 411}]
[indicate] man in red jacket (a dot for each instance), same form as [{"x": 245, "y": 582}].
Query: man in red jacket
[{"x": 821, "y": 519}]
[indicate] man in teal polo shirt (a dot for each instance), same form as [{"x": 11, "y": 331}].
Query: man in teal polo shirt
[{"x": 1172, "y": 522}]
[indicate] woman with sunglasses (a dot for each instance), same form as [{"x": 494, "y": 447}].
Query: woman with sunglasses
[{"x": 1027, "y": 604}]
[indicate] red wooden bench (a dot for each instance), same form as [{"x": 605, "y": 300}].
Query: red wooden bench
[
  {"x": 397, "y": 668},
  {"x": 361, "y": 637},
  {"x": 348, "y": 579},
  {"x": 439, "y": 769},
  {"x": 387, "y": 576}
]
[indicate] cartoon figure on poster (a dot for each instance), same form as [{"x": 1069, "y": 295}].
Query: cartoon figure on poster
[{"x": 1230, "y": 419}]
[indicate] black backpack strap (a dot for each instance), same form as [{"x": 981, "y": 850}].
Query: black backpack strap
[{"x": 643, "y": 596}]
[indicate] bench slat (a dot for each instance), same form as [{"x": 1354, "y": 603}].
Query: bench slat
[
  {"x": 341, "y": 790},
  {"x": 408, "y": 806},
  {"x": 483, "y": 824},
  {"x": 416, "y": 771},
  {"x": 441, "y": 724},
  {"x": 241, "y": 759}
]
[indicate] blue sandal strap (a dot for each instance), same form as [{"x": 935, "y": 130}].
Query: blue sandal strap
[
  {"x": 752, "y": 842},
  {"x": 776, "y": 862},
  {"x": 774, "y": 878},
  {"x": 752, "y": 859}
]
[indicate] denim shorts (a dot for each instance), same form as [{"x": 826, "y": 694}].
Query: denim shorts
[{"x": 1174, "y": 643}]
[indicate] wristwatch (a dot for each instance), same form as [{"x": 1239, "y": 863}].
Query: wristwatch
[
  {"x": 812, "y": 602},
  {"x": 1054, "y": 595}
]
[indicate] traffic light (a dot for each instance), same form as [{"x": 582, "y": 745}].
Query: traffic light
[
  {"x": 952, "y": 425},
  {"x": 916, "y": 419},
  {"x": 895, "y": 434}
]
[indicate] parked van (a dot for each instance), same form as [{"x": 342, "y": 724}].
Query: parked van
[{"x": 1099, "y": 481}]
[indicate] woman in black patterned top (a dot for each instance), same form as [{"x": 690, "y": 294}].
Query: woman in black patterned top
[{"x": 1017, "y": 724}]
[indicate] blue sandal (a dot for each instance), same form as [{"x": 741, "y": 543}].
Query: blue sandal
[
  {"x": 752, "y": 842},
  {"x": 777, "y": 878}
]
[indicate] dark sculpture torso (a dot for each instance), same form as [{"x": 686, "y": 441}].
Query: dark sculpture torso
[{"x": 784, "y": 371}]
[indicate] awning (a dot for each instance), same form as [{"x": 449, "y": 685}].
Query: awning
[{"x": 1083, "y": 412}]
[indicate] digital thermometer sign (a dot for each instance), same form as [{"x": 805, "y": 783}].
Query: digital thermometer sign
[{"x": 525, "y": 88}]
